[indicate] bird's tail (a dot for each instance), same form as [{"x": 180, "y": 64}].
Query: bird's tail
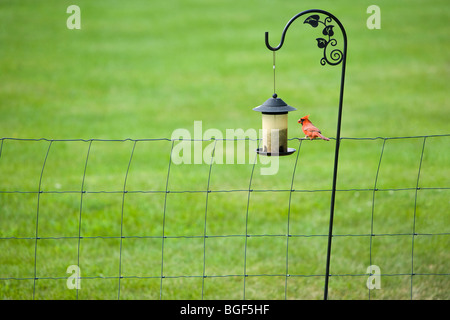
[{"x": 323, "y": 137}]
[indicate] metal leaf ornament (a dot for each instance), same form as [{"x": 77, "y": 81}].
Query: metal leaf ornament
[
  {"x": 321, "y": 43},
  {"x": 335, "y": 56},
  {"x": 313, "y": 20},
  {"x": 328, "y": 31}
]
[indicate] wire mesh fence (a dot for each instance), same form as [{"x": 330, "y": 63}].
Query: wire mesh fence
[{"x": 108, "y": 219}]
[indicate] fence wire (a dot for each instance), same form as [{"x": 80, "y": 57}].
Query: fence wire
[{"x": 17, "y": 273}]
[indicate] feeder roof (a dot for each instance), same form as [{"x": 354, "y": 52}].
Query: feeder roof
[{"x": 274, "y": 105}]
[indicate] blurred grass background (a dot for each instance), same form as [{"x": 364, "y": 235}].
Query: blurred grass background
[{"x": 141, "y": 69}]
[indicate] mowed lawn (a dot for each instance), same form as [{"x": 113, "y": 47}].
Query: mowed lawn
[{"x": 138, "y": 70}]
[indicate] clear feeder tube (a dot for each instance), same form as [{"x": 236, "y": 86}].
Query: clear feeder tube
[{"x": 274, "y": 128}]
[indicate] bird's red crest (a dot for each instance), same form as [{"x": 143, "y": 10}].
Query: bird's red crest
[{"x": 302, "y": 119}]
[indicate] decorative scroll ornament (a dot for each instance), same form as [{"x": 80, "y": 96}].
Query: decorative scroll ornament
[{"x": 335, "y": 56}]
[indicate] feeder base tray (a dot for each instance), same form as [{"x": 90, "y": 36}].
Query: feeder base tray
[{"x": 288, "y": 152}]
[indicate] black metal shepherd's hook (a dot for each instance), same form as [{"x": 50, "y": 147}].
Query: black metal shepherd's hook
[{"x": 333, "y": 57}]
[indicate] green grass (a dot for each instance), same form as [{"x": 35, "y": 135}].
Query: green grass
[{"x": 141, "y": 70}]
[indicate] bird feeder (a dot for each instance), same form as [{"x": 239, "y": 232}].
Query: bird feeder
[{"x": 274, "y": 127}]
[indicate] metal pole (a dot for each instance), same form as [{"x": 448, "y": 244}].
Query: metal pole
[{"x": 334, "y": 57}]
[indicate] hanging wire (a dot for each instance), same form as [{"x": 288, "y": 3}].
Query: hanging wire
[{"x": 274, "y": 75}]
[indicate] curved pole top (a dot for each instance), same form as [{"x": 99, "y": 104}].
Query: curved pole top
[{"x": 295, "y": 18}]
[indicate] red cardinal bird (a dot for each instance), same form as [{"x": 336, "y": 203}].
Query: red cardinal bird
[{"x": 310, "y": 130}]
